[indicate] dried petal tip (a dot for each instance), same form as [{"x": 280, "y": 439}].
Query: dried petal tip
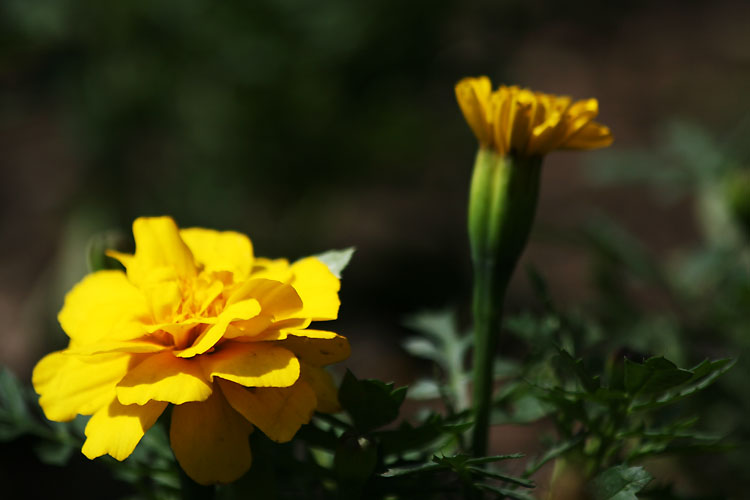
[{"x": 512, "y": 120}]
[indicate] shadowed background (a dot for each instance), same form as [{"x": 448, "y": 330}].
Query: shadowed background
[{"x": 319, "y": 125}]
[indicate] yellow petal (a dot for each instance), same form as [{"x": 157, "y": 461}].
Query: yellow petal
[
  {"x": 210, "y": 440},
  {"x": 316, "y": 346},
  {"x": 164, "y": 377},
  {"x": 275, "y": 298},
  {"x": 164, "y": 299},
  {"x": 160, "y": 253},
  {"x": 69, "y": 384},
  {"x": 318, "y": 288},
  {"x": 242, "y": 310},
  {"x": 104, "y": 305},
  {"x": 220, "y": 251},
  {"x": 116, "y": 429},
  {"x": 278, "y": 412},
  {"x": 254, "y": 364},
  {"x": 326, "y": 392},
  {"x": 519, "y": 120},
  {"x": 592, "y": 136},
  {"x": 548, "y": 135},
  {"x": 500, "y": 108},
  {"x": 138, "y": 346},
  {"x": 277, "y": 270},
  {"x": 473, "y": 95}
]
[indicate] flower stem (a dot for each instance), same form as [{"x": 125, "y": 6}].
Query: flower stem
[{"x": 502, "y": 203}]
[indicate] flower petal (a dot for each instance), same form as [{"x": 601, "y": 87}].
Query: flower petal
[
  {"x": 160, "y": 253},
  {"x": 278, "y": 412},
  {"x": 272, "y": 269},
  {"x": 116, "y": 429},
  {"x": 70, "y": 384},
  {"x": 316, "y": 346},
  {"x": 326, "y": 392},
  {"x": 594, "y": 135},
  {"x": 275, "y": 298},
  {"x": 103, "y": 305},
  {"x": 164, "y": 377},
  {"x": 138, "y": 346},
  {"x": 318, "y": 288},
  {"x": 473, "y": 95},
  {"x": 210, "y": 441},
  {"x": 242, "y": 310},
  {"x": 220, "y": 250},
  {"x": 254, "y": 364}
]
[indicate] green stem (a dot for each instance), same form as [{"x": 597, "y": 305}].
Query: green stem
[
  {"x": 502, "y": 203},
  {"x": 487, "y": 305}
]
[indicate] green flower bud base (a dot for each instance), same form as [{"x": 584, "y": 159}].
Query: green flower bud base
[{"x": 502, "y": 203}]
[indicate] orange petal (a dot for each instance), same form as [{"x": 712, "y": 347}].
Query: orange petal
[
  {"x": 210, "y": 440},
  {"x": 316, "y": 346},
  {"x": 278, "y": 412}
]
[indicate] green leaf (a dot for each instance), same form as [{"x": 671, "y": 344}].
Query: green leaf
[
  {"x": 96, "y": 257},
  {"x": 589, "y": 382},
  {"x": 424, "y": 389},
  {"x": 506, "y": 493},
  {"x": 703, "y": 375},
  {"x": 502, "y": 477},
  {"x": 494, "y": 458},
  {"x": 371, "y": 403},
  {"x": 418, "y": 469},
  {"x": 654, "y": 376},
  {"x": 620, "y": 483},
  {"x": 14, "y": 415},
  {"x": 554, "y": 452},
  {"x": 636, "y": 374},
  {"x": 408, "y": 438},
  {"x": 424, "y": 348},
  {"x": 336, "y": 260}
]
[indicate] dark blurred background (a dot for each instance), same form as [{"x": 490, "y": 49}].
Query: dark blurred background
[{"x": 327, "y": 124}]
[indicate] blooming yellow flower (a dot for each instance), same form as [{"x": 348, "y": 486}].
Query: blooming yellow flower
[
  {"x": 515, "y": 120},
  {"x": 199, "y": 322}
]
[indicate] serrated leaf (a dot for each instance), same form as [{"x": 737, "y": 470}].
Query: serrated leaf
[
  {"x": 501, "y": 477},
  {"x": 371, "y": 403},
  {"x": 336, "y": 260},
  {"x": 635, "y": 375},
  {"x": 506, "y": 493},
  {"x": 589, "y": 382},
  {"x": 423, "y": 348},
  {"x": 704, "y": 375},
  {"x": 418, "y": 469},
  {"x": 494, "y": 458},
  {"x": 424, "y": 389},
  {"x": 408, "y": 438},
  {"x": 620, "y": 483},
  {"x": 438, "y": 325}
]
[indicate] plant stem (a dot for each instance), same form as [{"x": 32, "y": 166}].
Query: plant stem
[
  {"x": 487, "y": 311},
  {"x": 502, "y": 203}
]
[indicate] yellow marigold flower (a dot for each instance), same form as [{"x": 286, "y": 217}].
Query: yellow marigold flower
[
  {"x": 516, "y": 120},
  {"x": 199, "y": 322}
]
